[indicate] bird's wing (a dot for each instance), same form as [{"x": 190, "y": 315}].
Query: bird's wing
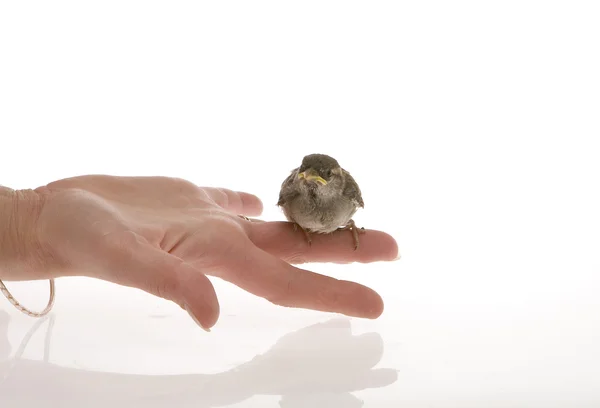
[
  {"x": 352, "y": 191},
  {"x": 287, "y": 192}
]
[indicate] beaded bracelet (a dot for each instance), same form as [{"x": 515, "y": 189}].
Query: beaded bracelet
[{"x": 22, "y": 308}]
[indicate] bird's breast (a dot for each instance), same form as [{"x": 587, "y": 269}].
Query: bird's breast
[{"x": 319, "y": 215}]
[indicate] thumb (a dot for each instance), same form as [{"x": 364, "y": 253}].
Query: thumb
[{"x": 141, "y": 265}]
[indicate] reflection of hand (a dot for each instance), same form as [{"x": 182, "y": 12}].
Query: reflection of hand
[
  {"x": 320, "y": 364},
  {"x": 321, "y": 358},
  {"x": 164, "y": 235},
  {"x": 4, "y": 343},
  {"x": 321, "y": 400}
]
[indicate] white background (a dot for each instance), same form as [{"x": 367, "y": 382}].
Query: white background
[{"x": 472, "y": 128}]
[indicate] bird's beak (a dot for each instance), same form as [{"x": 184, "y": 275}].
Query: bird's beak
[{"x": 312, "y": 175}]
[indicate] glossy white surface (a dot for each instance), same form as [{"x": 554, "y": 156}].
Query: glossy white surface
[
  {"x": 472, "y": 129},
  {"x": 505, "y": 341}
]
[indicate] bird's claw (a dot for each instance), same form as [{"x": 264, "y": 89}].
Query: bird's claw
[
  {"x": 306, "y": 234},
  {"x": 355, "y": 231}
]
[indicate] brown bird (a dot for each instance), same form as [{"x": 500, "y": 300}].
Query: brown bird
[{"x": 321, "y": 197}]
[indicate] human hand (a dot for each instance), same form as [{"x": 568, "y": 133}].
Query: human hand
[{"x": 165, "y": 235}]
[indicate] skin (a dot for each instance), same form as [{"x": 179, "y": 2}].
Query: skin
[
  {"x": 321, "y": 197},
  {"x": 166, "y": 236}
]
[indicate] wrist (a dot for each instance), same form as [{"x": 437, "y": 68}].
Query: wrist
[{"x": 21, "y": 254}]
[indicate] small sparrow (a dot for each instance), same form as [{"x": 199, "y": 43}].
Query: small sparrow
[{"x": 321, "y": 197}]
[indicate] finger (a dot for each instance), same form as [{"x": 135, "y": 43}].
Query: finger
[
  {"x": 266, "y": 276},
  {"x": 369, "y": 351},
  {"x": 377, "y": 378},
  {"x": 351, "y": 381},
  {"x": 135, "y": 263},
  {"x": 235, "y": 201},
  {"x": 280, "y": 240},
  {"x": 314, "y": 397}
]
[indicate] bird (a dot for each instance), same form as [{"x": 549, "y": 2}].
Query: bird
[{"x": 321, "y": 197}]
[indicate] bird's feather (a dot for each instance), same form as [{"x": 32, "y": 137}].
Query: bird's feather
[
  {"x": 288, "y": 193},
  {"x": 351, "y": 190}
]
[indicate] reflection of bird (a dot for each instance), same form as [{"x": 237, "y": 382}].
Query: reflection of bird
[
  {"x": 321, "y": 197},
  {"x": 324, "y": 364}
]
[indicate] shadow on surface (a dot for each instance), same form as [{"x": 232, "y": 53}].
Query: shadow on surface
[{"x": 317, "y": 366}]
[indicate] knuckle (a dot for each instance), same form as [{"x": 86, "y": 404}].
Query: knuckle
[
  {"x": 223, "y": 198},
  {"x": 201, "y": 195},
  {"x": 297, "y": 258},
  {"x": 296, "y": 251},
  {"x": 183, "y": 185}
]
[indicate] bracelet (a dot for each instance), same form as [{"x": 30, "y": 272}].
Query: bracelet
[{"x": 22, "y": 308}]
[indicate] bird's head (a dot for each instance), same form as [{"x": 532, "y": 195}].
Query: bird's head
[{"x": 320, "y": 170}]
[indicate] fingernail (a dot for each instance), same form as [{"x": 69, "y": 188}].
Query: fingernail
[
  {"x": 195, "y": 319},
  {"x": 397, "y": 258}
]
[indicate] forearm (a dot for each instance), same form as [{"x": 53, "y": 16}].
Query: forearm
[{"x": 21, "y": 256}]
